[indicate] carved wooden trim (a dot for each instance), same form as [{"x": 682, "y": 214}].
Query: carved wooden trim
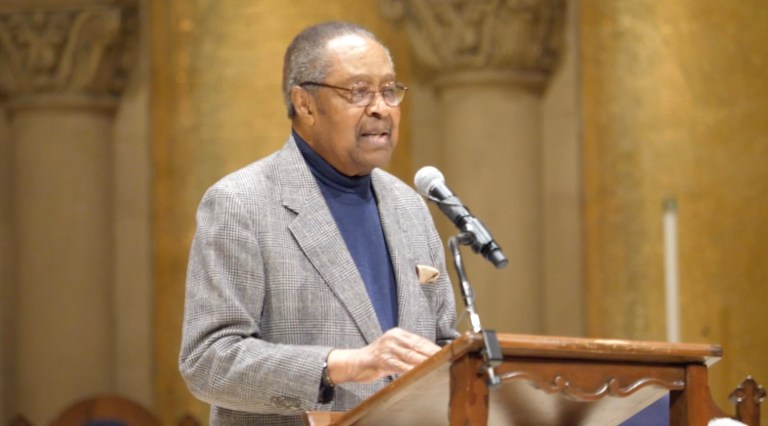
[
  {"x": 82, "y": 51},
  {"x": 747, "y": 398},
  {"x": 748, "y": 390},
  {"x": 611, "y": 387}
]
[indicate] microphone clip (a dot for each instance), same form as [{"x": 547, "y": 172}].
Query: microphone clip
[{"x": 476, "y": 236}]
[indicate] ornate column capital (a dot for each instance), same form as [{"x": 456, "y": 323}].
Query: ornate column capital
[
  {"x": 498, "y": 39},
  {"x": 68, "y": 56}
]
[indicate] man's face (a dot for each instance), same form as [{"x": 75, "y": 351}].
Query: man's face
[{"x": 351, "y": 138}]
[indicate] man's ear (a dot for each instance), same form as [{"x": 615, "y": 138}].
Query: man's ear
[{"x": 304, "y": 104}]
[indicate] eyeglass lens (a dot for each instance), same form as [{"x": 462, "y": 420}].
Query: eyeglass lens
[{"x": 392, "y": 95}]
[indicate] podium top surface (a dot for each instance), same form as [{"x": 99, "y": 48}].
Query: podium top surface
[{"x": 601, "y": 349}]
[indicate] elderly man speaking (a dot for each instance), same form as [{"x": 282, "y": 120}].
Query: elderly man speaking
[{"x": 306, "y": 285}]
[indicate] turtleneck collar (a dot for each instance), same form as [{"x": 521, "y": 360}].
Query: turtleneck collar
[{"x": 327, "y": 175}]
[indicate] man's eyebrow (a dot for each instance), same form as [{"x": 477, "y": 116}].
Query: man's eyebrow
[{"x": 367, "y": 79}]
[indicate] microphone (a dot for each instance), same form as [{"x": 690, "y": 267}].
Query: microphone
[{"x": 430, "y": 183}]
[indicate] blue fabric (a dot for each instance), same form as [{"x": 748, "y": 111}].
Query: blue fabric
[
  {"x": 656, "y": 414},
  {"x": 353, "y": 205}
]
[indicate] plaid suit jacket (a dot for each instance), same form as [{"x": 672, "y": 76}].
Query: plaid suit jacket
[{"x": 272, "y": 288}]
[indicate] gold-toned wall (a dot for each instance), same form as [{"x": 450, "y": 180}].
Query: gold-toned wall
[
  {"x": 675, "y": 104},
  {"x": 6, "y": 267},
  {"x": 217, "y": 106}
]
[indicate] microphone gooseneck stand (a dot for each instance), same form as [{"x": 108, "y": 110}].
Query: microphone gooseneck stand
[{"x": 492, "y": 356}]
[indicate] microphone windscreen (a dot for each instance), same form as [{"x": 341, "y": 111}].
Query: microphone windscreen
[{"x": 426, "y": 178}]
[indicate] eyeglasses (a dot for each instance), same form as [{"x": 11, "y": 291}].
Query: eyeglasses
[{"x": 392, "y": 93}]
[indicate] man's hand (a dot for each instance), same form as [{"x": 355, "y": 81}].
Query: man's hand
[{"x": 396, "y": 352}]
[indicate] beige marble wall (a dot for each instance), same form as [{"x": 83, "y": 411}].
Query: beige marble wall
[{"x": 675, "y": 103}]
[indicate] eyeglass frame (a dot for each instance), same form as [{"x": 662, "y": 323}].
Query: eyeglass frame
[{"x": 370, "y": 94}]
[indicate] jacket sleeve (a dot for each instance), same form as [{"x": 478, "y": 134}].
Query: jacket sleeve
[{"x": 223, "y": 360}]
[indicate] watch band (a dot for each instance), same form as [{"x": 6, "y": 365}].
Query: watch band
[{"x": 327, "y": 387}]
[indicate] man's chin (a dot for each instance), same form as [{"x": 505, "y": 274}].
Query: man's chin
[{"x": 373, "y": 160}]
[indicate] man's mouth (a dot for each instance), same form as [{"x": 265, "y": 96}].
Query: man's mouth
[
  {"x": 376, "y": 138},
  {"x": 376, "y": 133}
]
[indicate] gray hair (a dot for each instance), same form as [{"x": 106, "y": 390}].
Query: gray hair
[{"x": 306, "y": 58}]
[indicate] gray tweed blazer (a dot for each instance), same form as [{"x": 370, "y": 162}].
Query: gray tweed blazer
[{"x": 272, "y": 288}]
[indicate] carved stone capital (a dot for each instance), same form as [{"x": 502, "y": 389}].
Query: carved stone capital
[
  {"x": 502, "y": 37},
  {"x": 78, "y": 54}
]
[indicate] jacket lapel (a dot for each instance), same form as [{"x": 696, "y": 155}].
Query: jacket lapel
[
  {"x": 319, "y": 238},
  {"x": 403, "y": 263}
]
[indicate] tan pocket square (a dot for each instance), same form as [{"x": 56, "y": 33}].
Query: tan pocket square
[{"x": 427, "y": 274}]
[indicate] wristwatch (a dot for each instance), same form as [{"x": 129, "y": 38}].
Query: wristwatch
[{"x": 327, "y": 387}]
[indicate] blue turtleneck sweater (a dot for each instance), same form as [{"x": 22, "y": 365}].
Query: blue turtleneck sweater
[{"x": 353, "y": 206}]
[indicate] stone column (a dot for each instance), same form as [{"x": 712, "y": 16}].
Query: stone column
[
  {"x": 61, "y": 71},
  {"x": 486, "y": 63}
]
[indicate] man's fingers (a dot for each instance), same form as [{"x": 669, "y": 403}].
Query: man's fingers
[
  {"x": 410, "y": 341},
  {"x": 395, "y": 365},
  {"x": 426, "y": 348},
  {"x": 410, "y": 349},
  {"x": 396, "y": 352}
]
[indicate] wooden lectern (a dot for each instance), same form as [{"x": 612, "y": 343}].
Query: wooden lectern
[{"x": 544, "y": 381}]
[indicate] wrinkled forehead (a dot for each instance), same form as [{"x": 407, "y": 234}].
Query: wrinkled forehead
[{"x": 356, "y": 55}]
